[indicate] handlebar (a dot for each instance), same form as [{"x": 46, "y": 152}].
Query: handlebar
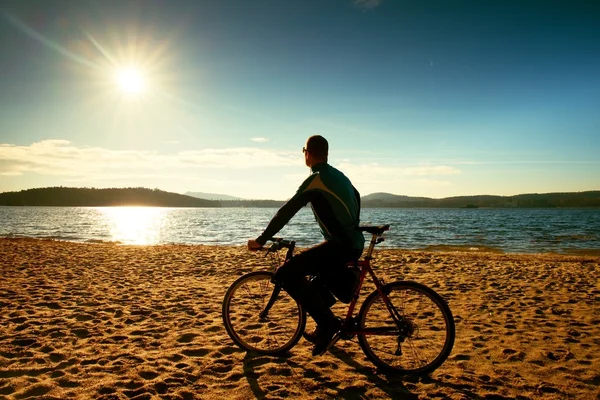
[{"x": 278, "y": 244}]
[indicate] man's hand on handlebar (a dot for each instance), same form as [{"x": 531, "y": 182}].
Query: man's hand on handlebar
[{"x": 253, "y": 245}]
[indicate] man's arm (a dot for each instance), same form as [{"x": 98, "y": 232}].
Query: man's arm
[
  {"x": 357, "y": 195},
  {"x": 283, "y": 216}
]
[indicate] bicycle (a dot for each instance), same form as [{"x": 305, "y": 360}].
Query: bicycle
[{"x": 402, "y": 326}]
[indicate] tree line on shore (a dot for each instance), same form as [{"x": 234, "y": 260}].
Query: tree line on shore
[
  {"x": 91, "y": 197},
  {"x": 534, "y": 200}
]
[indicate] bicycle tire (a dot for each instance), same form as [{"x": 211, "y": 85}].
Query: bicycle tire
[
  {"x": 243, "y": 303},
  {"x": 428, "y": 335}
]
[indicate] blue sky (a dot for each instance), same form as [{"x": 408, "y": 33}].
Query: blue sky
[{"x": 420, "y": 98}]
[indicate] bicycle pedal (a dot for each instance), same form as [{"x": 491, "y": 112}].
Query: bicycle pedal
[
  {"x": 347, "y": 328},
  {"x": 333, "y": 341}
]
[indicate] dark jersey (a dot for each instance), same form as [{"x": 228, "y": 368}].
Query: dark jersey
[{"x": 335, "y": 204}]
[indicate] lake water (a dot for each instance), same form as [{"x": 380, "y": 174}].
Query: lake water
[{"x": 505, "y": 230}]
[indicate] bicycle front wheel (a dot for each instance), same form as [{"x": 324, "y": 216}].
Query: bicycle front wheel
[
  {"x": 260, "y": 316},
  {"x": 412, "y": 334}
]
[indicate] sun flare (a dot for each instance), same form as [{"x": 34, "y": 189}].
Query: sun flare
[
  {"x": 134, "y": 225},
  {"x": 130, "y": 80}
]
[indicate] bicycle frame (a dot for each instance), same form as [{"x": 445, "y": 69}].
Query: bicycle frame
[{"x": 365, "y": 267}]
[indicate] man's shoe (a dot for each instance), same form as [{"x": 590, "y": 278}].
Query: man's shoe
[
  {"x": 326, "y": 339},
  {"x": 314, "y": 335}
]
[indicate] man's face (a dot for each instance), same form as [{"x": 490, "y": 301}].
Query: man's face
[{"x": 307, "y": 156}]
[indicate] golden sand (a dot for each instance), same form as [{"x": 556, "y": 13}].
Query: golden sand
[{"x": 130, "y": 322}]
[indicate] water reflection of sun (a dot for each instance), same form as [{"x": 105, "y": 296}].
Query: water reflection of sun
[{"x": 134, "y": 225}]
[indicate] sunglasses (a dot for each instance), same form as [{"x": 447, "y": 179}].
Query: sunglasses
[{"x": 304, "y": 151}]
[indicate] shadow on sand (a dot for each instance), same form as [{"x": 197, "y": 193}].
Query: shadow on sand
[{"x": 392, "y": 385}]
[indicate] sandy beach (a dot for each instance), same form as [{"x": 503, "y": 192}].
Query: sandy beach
[{"x": 103, "y": 321}]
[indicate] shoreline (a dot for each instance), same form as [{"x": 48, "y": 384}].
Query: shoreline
[
  {"x": 109, "y": 321},
  {"x": 470, "y": 249}
]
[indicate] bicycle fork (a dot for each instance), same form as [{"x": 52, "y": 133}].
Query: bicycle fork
[
  {"x": 264, "y": 313},
  {"x": 277, "y": 289}
]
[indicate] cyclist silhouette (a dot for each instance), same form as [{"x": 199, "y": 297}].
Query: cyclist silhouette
[{"x": 335, "y": 203}]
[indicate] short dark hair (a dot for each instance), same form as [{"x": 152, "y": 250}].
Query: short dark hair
[{"x": 318, "y": 146}]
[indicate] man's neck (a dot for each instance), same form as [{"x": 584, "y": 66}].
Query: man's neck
[{"x": 317, "y": 166}]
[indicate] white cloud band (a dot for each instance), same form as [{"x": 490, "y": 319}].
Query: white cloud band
[{"x": 65, "y": 161}]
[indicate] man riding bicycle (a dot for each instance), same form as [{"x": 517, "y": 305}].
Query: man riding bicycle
[{"x": 336, "y": 206}]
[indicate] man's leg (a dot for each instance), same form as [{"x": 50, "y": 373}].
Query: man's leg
[
  {"x": 293, "y": 277},
  {"x": 327, "y": 256}
]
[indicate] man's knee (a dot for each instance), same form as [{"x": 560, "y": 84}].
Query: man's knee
[{"x": 286, "y": 273}]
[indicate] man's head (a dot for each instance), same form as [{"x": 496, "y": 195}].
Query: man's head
[{"x": 316, "y": 150}]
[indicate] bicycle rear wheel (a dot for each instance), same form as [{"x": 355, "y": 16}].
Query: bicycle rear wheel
[
  {"x": 260, "y": 316},
  {"x": 418, "y": 340}
]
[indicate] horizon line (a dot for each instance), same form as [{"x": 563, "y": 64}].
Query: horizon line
[{"x": 237, "y": 198}]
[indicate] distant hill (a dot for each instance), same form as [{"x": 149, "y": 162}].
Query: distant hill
[
  {"x": 573, "y": 199},
  {"x": 381, "y": 197},
  {"x": 212, "y": 196},
  {"x": 252, "y": 203},
  {"x": 89, "y": 197}
]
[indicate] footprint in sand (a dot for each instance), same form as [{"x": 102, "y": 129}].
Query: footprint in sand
[
  {"x": 83, "y": 317},
  {"x": 222, "y": 366},
  {"x": 6, "y": 390},
  {"x": 186, "y": 338},
  {"x": 148, "y": 375},
  {"x": 57, "y": 374},
  {"x": 81, "y": 333},
  {"x": 199, "y": 352},
  {"x": 57, "y": 357},
  {"x": 513, "y": 355},
  {"x": 50, "y": 305},
  {"x": 235, "y": 377},
  {"x": 138, "y": 393},
  {"x": 117, "y": 338},
  {"x": 23, "y": 342},
  {"x": 560, "y": 355},
  {"x": 312, "y": 374},
  {"x": 161, "y": 387},
  {"x": 227, "y": 350},
  {"x": 65, "y": 382},
  {"x": 35, "y": 391}
]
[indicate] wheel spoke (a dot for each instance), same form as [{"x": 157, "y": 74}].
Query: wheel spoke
[
  {"x": 426, "y": 329},
  {"x": 245, "y": 300}
]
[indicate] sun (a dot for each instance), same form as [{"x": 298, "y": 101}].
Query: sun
[{"x": 130, "y": 80}]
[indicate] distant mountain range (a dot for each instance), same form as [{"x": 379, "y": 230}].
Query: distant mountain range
[
  {"x": 90, "y": 197},
  {"x": 211, "y": 196},
  {"x": 572, "y": 199},
  {"x": 64, "y": 196}
]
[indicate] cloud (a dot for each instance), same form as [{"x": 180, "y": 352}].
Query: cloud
[
  {"x": 392, "y": 172},
  {"x": 61, "y": 157},
  {"x": 375, "y": 177},
  {"x": 253, "y": 172},
  {"x": 260, "y": 139},
  {"x": 367, "y": 4}
]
